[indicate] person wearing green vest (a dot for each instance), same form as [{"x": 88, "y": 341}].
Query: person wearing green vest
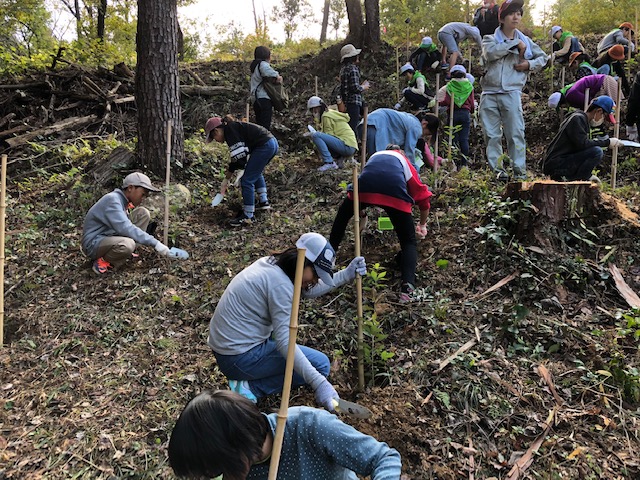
[
  {"x": 417, "y": 93},
  {"x": 334, "y": 136},
  {"x": 460, "y": 89},
  {"x": 565, "y": 43},
  {"x": 426, "y": 57}
]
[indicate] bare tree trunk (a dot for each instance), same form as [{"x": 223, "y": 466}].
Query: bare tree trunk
[
  {"x": 356, "y": 24},
  {"x": 102, "y": 13},
  {"x": 255, "y": 17},
  {"x": 325, "y": 21},
  {"x": 372, "y": 27},
  {"x": 157, "y": 83}
]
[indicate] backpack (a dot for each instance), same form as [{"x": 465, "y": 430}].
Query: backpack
[{"x": 278, "y": 95}]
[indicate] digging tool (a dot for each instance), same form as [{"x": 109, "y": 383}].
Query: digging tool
[
  {"x": 629, "y": 143},
  {"x": 166, "y": 190},
  {"x": 288, "y": 369},
  {"x": 3, "y": 209},
  {"x": 217, "y": 200},
  {"x": 352, "y": 409}
]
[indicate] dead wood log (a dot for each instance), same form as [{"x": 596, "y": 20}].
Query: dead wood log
[
  {"x": 104, "y": 170},
  {"x": 25, "y": 86},
  {"x": 206, "y": 90},
  {"x": 6, "y": 119},
  {"x": 67, "y": 123},
  {"x": 14, "y": 130}
]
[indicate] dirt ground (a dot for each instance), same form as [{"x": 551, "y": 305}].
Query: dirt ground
[{"x": 544, "y": 384}]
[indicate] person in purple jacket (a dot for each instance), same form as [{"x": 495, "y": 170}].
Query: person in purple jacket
[
  {"x": 220, "y": 433},
  {"x": 576, "y": 94}
]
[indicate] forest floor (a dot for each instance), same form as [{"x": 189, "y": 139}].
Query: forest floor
[{"x": 546, "y": 381}]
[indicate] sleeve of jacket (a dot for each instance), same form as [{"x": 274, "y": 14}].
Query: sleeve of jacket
[
  {"x": 618, "y": 37},
  {"x": 578, "y": 133},
  {"x": 420, "y": 86},
  {"x": 565, "y": 47},
  {"x": 120, "y": 223},
  {"x": 539, "y": 59},
  {"x": 493, "y": 50},
  {"x": 418, "y": 190}
]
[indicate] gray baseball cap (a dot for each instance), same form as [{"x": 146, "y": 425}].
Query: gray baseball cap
[{"x": 138, "y": 179}]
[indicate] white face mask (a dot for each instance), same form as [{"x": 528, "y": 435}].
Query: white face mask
[{"x": 596, "y": 123}]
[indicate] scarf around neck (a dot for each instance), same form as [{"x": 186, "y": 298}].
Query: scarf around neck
[{"x": 459, "y": 89}]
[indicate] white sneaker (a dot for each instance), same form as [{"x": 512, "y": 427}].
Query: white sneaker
[{"x": 328, "y": 166}]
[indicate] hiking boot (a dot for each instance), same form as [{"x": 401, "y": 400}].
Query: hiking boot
[
  {"x": 101, "y": 266},
  {"x": 406, "y": 290},
  {"x": 241, "y": 220},
  {"x": 242, "y": 387},
  {"x": 328, "y": 166},
  {"x": 263, "y": 205}
]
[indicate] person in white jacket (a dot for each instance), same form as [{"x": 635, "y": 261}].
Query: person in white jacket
[{"x": 507, "y": 56}]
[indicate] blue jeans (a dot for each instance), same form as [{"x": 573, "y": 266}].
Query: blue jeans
[
  {"x": 502, "y": 113},
  {"x": 252, "y": 180},
  {"x": 263, "y": 367},
  {"x": 330, "y": 146},
  {"x": 462, "y": 118}
]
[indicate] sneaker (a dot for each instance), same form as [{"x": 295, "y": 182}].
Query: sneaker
[
  {"x": 594, "y": 179},
  {"x": 263, "y": 205},
  {"x": 328, "y": 166},
  {"x": 435, "y": 64},
  {"x": 242, "y": 387},
  {"x": 502, "y": 177},
  {"x": 444, "y": 66},
  {"x": 101, "y": 266},
  {"x": 406, "y": 290},
  {"x": 241, "y": 220}
]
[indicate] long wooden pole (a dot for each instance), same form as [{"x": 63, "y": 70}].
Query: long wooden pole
[
  {"x": 288, "y": 369},
  {"x": 562, "y": 76},
  {"x": 398, "y": 73},
  {"x": 3, "y": 209},
  {"x": 586, "y": 98},
  {"x": 356, "y": 233},
  {"x": 451, "y": 108},
  {"x": 246, "y": 112},
  {"x": 616, "y": 133},
  {"x": 167, "y": 178},
  {"x": 435, "y": 143}
]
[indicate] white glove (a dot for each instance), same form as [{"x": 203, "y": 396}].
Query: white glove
[
  {"x": 398, "y": 105},
  {"x": 357, "y": 265},
  {"x": 632, "y": 133},
  {"x": 325, "y": 393},
  {"x": 615, "y": 142},
  {"x": 365, "y": 85},
  {"x": 421, "y": 230},
  {"x": 179, "y": 253},
  {"x": 162, "y": 249}
]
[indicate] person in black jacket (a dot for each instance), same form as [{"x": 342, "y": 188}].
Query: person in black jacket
[
  {"x": 251, "y": 147},
  {"x": 572, "y": 155},
  {"x": 486, "y": 17},
  {"x": 633, "y": 110}
]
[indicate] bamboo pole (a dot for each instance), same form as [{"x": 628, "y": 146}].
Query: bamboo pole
[
  {"x": 246, "y": 112},
  {"x": 616, "y": 133},
  {"x": 586, "y": 98},
  {"x": 288, "y": 369},
  {"x": 356, "y": 233},
  {"x": 562, "y": 76},
  {"x": 3, "y": 209},
  {"x": 397, "y": 73},
  {"x": 451, "y": 108},
  {"x": 166, "y": 184},
  {"x": 435, "y": 143}
]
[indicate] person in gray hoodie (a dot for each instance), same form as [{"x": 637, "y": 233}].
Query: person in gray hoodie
[
  {"x": 507, "y": 56},
  {"x": 110, "y": 235}
]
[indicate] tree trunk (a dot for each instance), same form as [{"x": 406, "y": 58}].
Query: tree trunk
[
  {"x": 255, "y": 17},
  {"x": 372, "y": 27},
  {"x": 356, "y": 25},
  {"x": 157, "y": 83},
  {"x": 325, "y": 21},
  {"x": 102, "y": 12}
]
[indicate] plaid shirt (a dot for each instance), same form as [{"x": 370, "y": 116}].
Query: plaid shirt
[{"x": 350, "y": 88}]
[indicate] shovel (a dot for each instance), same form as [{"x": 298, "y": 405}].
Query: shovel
[
  {"x": 217, "y": 200},
  {"x": 352, "y": 409},
  {"x": 629, "y": 143}
]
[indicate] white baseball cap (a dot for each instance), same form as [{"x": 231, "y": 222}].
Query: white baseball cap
[{"x": 320, "y": 252}]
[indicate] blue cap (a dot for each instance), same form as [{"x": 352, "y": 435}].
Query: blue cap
[{"x": 607, "y": 105}]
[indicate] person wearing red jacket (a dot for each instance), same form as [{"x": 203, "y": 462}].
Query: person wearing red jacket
[{"x": 389, "y": 181}]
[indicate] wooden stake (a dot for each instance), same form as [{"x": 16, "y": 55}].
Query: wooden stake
[
  {"x": 288, "y": 369},
  {"x": 166, "y": 184},
  {"x": 246, "y": 112},
  {"x": 3, "y": 209},
  {"x": 562, "y": 77},
  {"x": 435, "y": 143},
  {"x": 451, "y": 108},
  {"x": 616, "y": 133},
  {"x": 356, "y": 233},
  {"x": 398, "y": 73},
  {"x": 586, "y": 98}
]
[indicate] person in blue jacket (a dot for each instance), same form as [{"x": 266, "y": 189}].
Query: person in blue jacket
[
  {"x": 110, "y": 232},
  {"x": 220, "y": 433}
]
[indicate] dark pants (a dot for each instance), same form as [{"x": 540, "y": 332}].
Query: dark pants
[
  {"x": 264, "y": 112},
  {"x": 403, "y": 225},
  {"x": 462, "y": 120},
  {"x": 415, "y": 99},
  {"x": 574, "y": 166},
  {"x": 353, "y": 109}
]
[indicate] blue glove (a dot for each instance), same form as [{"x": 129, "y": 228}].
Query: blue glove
[
  {"x": 357, "y": 265},
  {"x": 325, "y": 393}
]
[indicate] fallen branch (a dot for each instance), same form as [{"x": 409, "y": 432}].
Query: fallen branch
[
  {"x": 625, "y": 290},
  {"x": 460, "y": 351},
  {"x": 498, "y": 285},
  {"x": 546, "y": 375},
  {"x": 67, "y": 123}
]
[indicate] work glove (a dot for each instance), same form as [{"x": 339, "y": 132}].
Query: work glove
[
  {"x": 357, "y": 265},
  {"x": 325, "y": 394},
  {"x": 421, "y": 230},
  {"x": 632, "y": 133},
  {"x": 365, "y": 85},
  {"x": 615, "y": 142},
  {"x": 398, "y": 105},
  {"x": 162, "y": 249},
  {"x": 179, "y": 253}
]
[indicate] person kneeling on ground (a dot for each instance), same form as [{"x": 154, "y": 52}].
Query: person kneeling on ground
[
  {"x": 416, "y": 92},
  {"x": 219, "y": 433},
  {"x": 334, "y": 137},
  {"x": 110, "y": 235},
  {"x": 390, "y": 181},
  {"x": 572, "y": 155},
  {"x": 256, "y": 305}
]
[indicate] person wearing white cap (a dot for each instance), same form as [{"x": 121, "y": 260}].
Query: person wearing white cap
[
  {"x": 573, "y": 154},
  {"x": 451, "y": 34},
  {"x": 334, "y": 137},
  {"x": 508, "y": 55},
  {"x": 350, "y": 87},
  {"x": 565, "y": 43},
  {"x": 416, "y": 92},
  {"x": 426, "y": 57},
  {"x": 110, "y": 234},
  {"x": 486, "y": 17},
  {"x": 249, "y": 330}
]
